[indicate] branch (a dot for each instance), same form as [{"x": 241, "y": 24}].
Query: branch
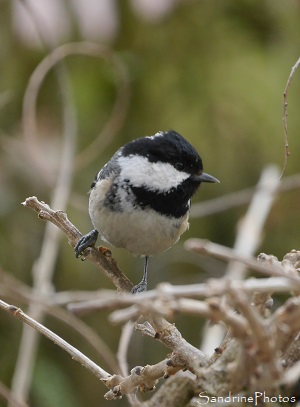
[
  {"x": 211, "y": 309},
  {"x": 108, "y": 266},
  {"x": 285, "y": 114},
  {"x": 287, "y": 321},
  {"x": 250, "y": 227},
  {"x": 104, "y": 261},
  {"x": 176, "y": 392},
  {"x": 263, "y": 338},
  {"x": 6, "y": 394},
  {"x": 44, "y": 266},
  {"x": 144, "y": 378},
  {"x": 124, "y": 342},
  {"x": 112, "y": 125},
  {"x": 238, "y": 198},
  {"x": 13, "y": 289},
  {"x": 108, "y": 299},
  {"x": 207, "y": 248},
  {"x": 75, "y": 354}
]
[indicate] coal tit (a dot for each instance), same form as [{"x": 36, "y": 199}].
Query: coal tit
[{"x": 140, "y": 199}]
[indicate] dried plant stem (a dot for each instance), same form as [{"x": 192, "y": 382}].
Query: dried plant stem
[
  {"x": 251, "y": 226},
  {"x": 43, "y": 268},
  {"x": 247, "y": 240},
  {"x": 285, "y": 115},
  {"x": 75, "y": 353},
  {"x": 207, "y": 248},
  {"x": 13, "y": 289},
  {"x": 238, "y": 198},
  {"x": 168, "y": 294},
  {"x": 104, "y": 261}
]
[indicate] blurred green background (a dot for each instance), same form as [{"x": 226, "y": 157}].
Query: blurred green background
[{"x": 214, "y": 71}]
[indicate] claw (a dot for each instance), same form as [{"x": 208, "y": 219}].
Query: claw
[
  {"x": 86, "y": 241},
  {"x": 139, "y": 288}
]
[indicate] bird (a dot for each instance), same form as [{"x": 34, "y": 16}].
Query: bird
[{"x": 140, "y": 200}]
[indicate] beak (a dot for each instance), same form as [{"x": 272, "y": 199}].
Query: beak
[{"x": 206, "y": 178}]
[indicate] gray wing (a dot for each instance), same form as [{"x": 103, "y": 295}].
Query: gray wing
[{"x": 110, "y": 169}]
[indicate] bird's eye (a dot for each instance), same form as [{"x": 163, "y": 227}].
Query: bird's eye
[{"x": 179, "y": 166}]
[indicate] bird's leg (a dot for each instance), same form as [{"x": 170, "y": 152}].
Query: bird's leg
[
  {"x": 86, "y": 241},
  {"x": 142, "y": 286}
]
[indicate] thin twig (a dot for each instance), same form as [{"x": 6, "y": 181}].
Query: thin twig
[
  {"x": 124, "y": 342},
  {"x": 211, "y": 309},
  {"x": 169, "y": 335},
  {"x": 75, "y": 353},
  {"x": 109, "y": 299},
  {"x": 6, "y": 394},
  {"x": 30, "y": 99},
  {"x": 248, "y": 238},
  {"x": 13, "y": 289},
  {"x": 145, "y": 377},
  {"x": 263, "y": 334},
  {"x": 118, "y": 112},
  {"x": 207, "y": 248},
  {"x": 44, "y": 267},
  {"x": 251, "y": 225},
  {"x": 285, "y": 114},
  {"x": 104, "y": 261},
  {"x": 287, "y": 320},
  {"x": 238, "y": 198}
]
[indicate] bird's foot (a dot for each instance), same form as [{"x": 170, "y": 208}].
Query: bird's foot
[
  {"x": 141, "y": 287},
  {"x": 86, "y": 241}
]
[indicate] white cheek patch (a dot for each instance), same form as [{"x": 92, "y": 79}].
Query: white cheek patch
[{"x": 156, "y": 176}]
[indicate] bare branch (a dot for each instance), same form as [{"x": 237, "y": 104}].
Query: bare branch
[
  {"x": 6, "y": 394},
  {"x": 207, "y": 248},
  {"x": 251, "y": 225},
  {"x": 145, "y": 378},
  {"x": 44, "y": 266},
  {"x": 248, "y": 238},
  {"x": 119, "y": 110},
  {"x": 238, "y": 198},
  {"x": 30, "y": 98},
  {"x": 212, "y": 309},
  {"x": 176, "y": 392},
  {"x": 75, "y": 354},
  {"x": 285, "y": 114},
  {"x": 104, "y": 261},
  {"x": 287, "y": 321},
  {"x": 166, "y": 293},
  {"x": 124, "y": 343},
  {"x": 13, "y": 289},
  {"x": 123, "y": 347},
  {"x": 263, "y": 336},
  {"x": 109, "y": 267}
]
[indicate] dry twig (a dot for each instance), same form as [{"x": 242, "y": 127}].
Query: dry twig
[
  {"x": 285, "y": 114},
  {"x": 44, "y": 266},
  {"x": 104, "y": 261},
  {"x": 75, "y": 354}
]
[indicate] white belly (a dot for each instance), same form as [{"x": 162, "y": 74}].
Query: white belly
[{"x": 141, "y": 232}]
